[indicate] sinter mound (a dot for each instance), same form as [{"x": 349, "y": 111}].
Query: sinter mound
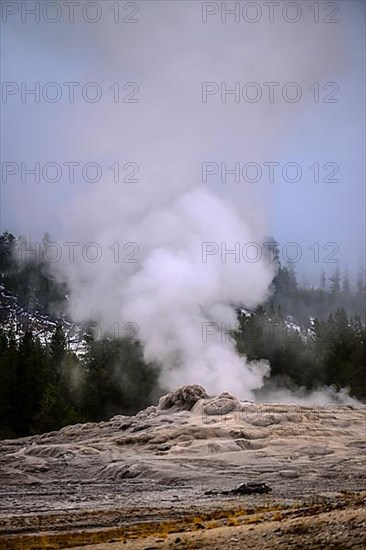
[{"x": 184, "y": 456}]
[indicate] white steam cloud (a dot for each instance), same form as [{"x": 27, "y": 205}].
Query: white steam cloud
[
  {"x": 170, "y": 293},
  {"x": 174, "y": 297}
]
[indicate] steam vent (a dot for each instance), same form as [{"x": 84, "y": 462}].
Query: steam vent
[{"x": 194, "y": 471}]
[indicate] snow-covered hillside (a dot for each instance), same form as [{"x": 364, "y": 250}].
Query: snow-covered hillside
[{"x": 17, "y": 319}]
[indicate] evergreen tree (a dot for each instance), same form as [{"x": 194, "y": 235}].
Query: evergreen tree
[
  {"x": 323, "y": 280},
  {"x": 361, "y": 281},
  {"x": 346, "y": 284},
  {"x": 58, "y": 346},
  {"x": 7, "y": 250},
  {"x": 335, "y": 282}
]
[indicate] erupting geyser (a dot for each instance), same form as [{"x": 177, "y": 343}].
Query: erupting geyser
[
  {"x": 172, "y": 293},
  {"x": 161, "y": 219}
]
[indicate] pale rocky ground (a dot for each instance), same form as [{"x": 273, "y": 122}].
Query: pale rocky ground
[{"x": 155, "y": 480}]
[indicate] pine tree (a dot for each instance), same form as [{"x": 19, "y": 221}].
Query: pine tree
[
  {"x": 292, "y": 280},
  {"x": 341, "y": 320},
  {"x": 323, "y": 280},
  {"x": 335, "y": 281},
  {"x": 58, "y": 346},
  {"x": 346, "y": 284},
  {"x": 361, "y": 281},
  {"x": 7, "y": 248}
]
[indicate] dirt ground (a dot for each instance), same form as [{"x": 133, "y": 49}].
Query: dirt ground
[
  {"x": 337, "y": 530},
  {"x": 337, "y": 522},
  {"x": 163, "y": 479}
]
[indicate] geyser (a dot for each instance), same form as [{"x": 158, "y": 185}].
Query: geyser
[{"x": 168, "y": 292}]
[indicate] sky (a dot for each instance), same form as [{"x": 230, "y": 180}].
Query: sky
[{"x": 167, "y": 50}]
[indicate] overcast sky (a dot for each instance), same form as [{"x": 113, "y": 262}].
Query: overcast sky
[{"x": 168, "y": 129}]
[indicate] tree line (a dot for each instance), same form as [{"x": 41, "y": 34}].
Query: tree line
[
  {"x": 328, "y": 353},
  {"x": 44, "y": 386}
]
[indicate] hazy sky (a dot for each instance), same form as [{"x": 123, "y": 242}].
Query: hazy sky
[{"x": 168, "y": 52}]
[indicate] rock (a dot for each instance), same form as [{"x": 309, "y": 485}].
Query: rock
[
  {"x": 182, "y": 398},
  {"x": 250, "y": 488},
  {"x": 118, "y": 471},
  {"x": 288, "y": 474},
  {"x": 163, "y": 448},
  {"x": 150, "y": 410},
  {"x": 222, "y": 404}
]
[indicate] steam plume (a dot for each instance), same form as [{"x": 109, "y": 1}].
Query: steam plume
[{"x": 170, "y": 293}]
